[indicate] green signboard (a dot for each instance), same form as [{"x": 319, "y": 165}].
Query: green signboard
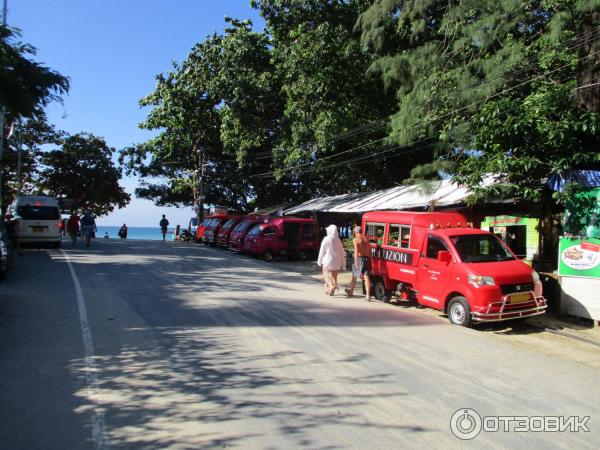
[{"x": 579, "y": 257}]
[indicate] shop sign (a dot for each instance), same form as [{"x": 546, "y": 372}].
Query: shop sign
[
  {"x": 505, "y": 221},
  {"x": 579, "y": 257}
]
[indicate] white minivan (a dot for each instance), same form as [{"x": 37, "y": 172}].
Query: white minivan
[{"x": 39, "y": 219}]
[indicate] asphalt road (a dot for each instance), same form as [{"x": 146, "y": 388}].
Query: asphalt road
[{"x": 142, "y": 344}]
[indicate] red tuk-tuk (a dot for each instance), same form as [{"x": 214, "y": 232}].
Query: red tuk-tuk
[{"x": 439, "y": 261}]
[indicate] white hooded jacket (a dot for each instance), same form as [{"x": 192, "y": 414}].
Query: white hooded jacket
[{"x": 332, "y": 255}]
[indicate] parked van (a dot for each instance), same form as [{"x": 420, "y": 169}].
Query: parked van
[
  {"x": 236, "y": 238},
  {"x": 291, "y": 236},
  {"x": 39, "y": 219},
  {"x": 199, "y": 234},
  {"x": 213, "y": 227},
  {"x": 437, "y": 260},
  {"x": 224, "y": 233}
]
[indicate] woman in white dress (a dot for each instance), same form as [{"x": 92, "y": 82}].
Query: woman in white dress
[{"x": 332, "y": 258}]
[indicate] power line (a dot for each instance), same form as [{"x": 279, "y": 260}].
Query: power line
[
  {"x": 433, "y": 119},
  {"x": 410, "y": 148}
]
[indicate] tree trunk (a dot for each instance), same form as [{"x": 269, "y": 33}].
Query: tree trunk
[{"x": 589, "y": 68}]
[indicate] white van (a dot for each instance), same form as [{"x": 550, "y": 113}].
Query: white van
[{"x": 39, "y": 219}]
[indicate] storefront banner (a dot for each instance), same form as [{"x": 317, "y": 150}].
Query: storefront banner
[{"x": 579, "y": 257}]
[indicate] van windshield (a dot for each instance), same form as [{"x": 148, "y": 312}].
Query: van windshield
[
  {"x": 229, "y": 224},
  {"x": 243, "y": 226},
  {"x": 255, "y": 231},
  {"x": 474, "y": 248},
  {"x": 29, "y": 212}
]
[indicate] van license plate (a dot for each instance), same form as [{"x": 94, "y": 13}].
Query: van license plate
[
  {"x": 520, "y": 298},
  {"x": 37, "y": 229}
]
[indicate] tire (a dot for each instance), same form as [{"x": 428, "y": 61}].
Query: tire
[
  {"x": 459, "y": 312},
  {"x": 268, "y": 255},
  {"x": 381, "y": 293},
  {"x": 302, "y": 255}
]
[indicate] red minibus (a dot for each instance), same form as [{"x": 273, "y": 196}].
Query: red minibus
[
  {"x": 285, "y": 236},
  {"x": 236, "y": 238},
  {"x": 224, "y": 233},
  {"x": 439, "y": 261}
]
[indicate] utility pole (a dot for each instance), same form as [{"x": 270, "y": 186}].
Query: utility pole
[
  {"x": 19, "y": 151},
  {"x": 200, "y": 199},
  {"x": 2, "y": 113}
]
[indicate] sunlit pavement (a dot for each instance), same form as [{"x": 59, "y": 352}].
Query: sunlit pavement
[{"x": 191, "y": 347}]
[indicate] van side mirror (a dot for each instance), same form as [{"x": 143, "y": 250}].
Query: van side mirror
[{"x": 444, "y": 256}]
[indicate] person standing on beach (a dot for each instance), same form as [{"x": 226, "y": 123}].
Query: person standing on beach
[{"x": 164, "y": 224}]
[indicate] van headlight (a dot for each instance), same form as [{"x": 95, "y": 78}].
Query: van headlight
[
  {"x": 478, "y": 280},
  {"x": 536, "y": 277}
]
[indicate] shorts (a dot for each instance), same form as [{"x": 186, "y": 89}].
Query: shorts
[{"x": 363, "y": 268}]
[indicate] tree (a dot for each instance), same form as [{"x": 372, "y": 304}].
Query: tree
[
  {"x": 26, "y": 86},
  {"x": 492, "y": 81},
  {"x": 334, "y": 120},
  {"x": 82, "y": 170}
]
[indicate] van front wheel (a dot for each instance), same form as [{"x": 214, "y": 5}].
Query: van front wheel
[
  {"x": 459, "y": 311},
  {"x": 268, "y": 256}
]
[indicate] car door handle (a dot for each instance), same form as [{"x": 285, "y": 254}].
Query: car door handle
[{"x": 426, "y": 266}]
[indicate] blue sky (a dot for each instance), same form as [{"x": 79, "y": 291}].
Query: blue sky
[{"x": 111, "y": 51}]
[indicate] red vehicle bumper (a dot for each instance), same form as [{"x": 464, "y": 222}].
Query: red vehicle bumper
[{"x": 505, "y": 310}]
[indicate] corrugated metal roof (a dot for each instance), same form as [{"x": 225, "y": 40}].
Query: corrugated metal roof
[{"x": 442, "y": 193}]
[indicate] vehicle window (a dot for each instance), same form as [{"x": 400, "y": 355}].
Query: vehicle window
[
  {"x": 481, "y": 248},
  {"x": 307, "y": 230},
  {"x": 434, "y": 245},
  {"x": 374, "y": 232},
  {"x": 255, "y": 230},
  {"x": 229, "y": 223},
  {"x": 270, "y": 231},
  {"x": 29, "y": 212},
  {"x": 399, "y": 236}
]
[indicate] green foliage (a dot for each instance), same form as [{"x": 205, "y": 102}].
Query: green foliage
[
  {"x": 26, "y": 86},
  {"x": 83, "y": 170},
  {"x": 492, "y": 82}
]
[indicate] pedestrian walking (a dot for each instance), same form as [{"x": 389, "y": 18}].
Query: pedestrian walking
[
  {"x": 361, "y": 264},
  {"x": 11, "y": 224},
  {"x": 73, "y": 226},
  {"x": 164, "y": 224},
  {"x": 123, "y": 232},
  {"x": 88, "y": 226},
  {"x": 332, "y": 258}
]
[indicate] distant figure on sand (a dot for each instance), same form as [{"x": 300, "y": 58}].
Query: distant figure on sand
[
  {"x": 123, "y": 232},
  {"x": 164, "y": 224}
]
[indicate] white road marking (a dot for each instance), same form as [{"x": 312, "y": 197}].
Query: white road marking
[{"x": 91, "y": 371}]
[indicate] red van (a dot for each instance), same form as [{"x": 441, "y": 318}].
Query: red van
[
  {"x": 212, "y": 228},
  {"x": 200, "y": 229},
  {"x": 291, "y": 236},
  {"x": 236, "y": 238},
  {"x": 439, "y": 261},
  {"x": 224, "y": 233}
]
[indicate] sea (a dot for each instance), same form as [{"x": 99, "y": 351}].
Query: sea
[{"x": 149, "y": 233}]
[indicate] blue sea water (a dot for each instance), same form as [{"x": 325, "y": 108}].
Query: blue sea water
[{"x": 152, "y": 233}]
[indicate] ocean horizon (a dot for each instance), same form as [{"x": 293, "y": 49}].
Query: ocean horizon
[{"x": 135, "y": 233}]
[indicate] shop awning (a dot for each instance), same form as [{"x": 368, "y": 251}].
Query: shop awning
[
  {"x": 438, "y": 193},
  {"x": 587, "y": 178}
]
